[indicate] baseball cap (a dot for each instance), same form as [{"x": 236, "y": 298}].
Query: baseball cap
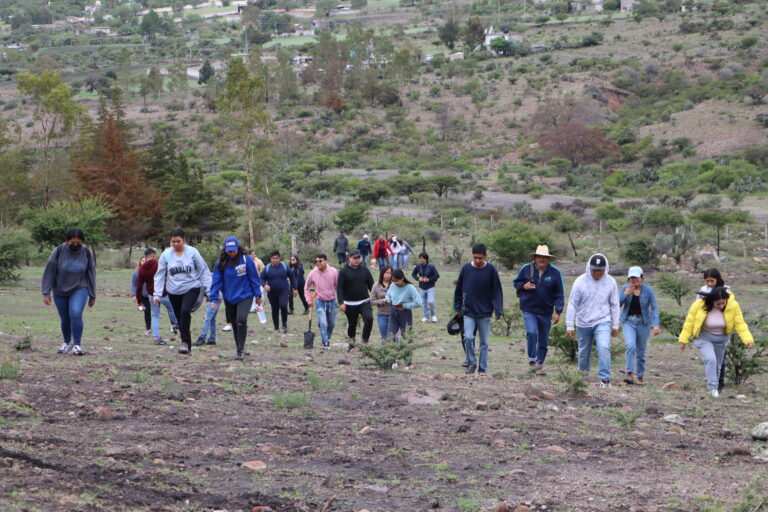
[
  {"x": 355, "y": 253},
  {"x": 634, "y": 272},
  {"x": 231, "y": 244},
  {"x": 597, "y": 262},
  {"x": 365, "y": 236}
]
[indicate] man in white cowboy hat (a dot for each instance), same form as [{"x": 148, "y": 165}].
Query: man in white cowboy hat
[{"x": 541, "y": 290}]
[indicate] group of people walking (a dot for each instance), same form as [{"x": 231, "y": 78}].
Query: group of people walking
[
  {"x": 392, "y": 251},
  {"x": 180, "y": 279}
]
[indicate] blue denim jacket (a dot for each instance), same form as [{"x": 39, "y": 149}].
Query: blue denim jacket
[{"x": 648, "y": 305}]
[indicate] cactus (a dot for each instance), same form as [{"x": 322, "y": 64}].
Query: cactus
[{"x": 677, "y": 243}]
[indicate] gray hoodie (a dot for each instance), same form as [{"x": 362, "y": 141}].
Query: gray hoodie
[
  {"x": 67, "y": 271},
  {"x": 179, "y": 274},
  {"x": 593, "y": 302}
]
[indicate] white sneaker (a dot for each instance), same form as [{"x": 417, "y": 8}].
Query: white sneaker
[
  {"x": 66, "y": 347},
  {"x": 394, "y": 366},
  {"x": 605, "y": 384},
  {"x": 424, "y": 320},
  {"x": 227, "y": 328},
  {"x": 715, "y": 393},
  {"x": 76, "y": 350},
  {"x": 434, "y": 319}
]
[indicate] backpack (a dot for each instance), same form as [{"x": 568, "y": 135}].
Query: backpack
[
  {"x": 88, "y": 256},
  {"x": 282, "y": 264}
]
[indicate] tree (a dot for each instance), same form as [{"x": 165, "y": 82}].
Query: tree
[
  {"x": 206, "y": 72},
  {"x": 150, "y": 25},
  {"x": 116, "y": 175},
  {"x": 351, "y": 216},
  {"x": 13, "y": 247},
  {"x": 566, "y": 223},
  {"x": 449, "y": 33},
  {"x": 14, "y": 174},
  {"x": 513, "y": 241},
  {"x": 48, "y": 225},
  {"x": 566, "y": 109},
  {"x": 501, "y": 46},
  {"x": 359, "y": 4},
  {"x": 473, "y": 33},
  {"x": 178, "y": 74},
  {"x": 372, "y": 191},
  {"x": 245, "y": 127},
  {"x": 442, "y": 184},
  {"x": 56, "y": 115},
  {"x": 154, "y": 81},
  {"x": 579, "y": 144},
  {"x": 677, "y": 286},
  {"x": 323, "y": 8}
]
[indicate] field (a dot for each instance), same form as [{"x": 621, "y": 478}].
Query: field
[{"x": 135, "y": 427}]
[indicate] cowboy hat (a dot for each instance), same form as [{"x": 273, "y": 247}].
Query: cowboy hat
[{"x": 542, "y": 250}]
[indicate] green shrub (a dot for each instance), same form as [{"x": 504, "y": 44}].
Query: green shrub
[
  {"x": 13, "y": 248},
  {"x": 514, "y": 241},
  {"x": 664, "y": 217},
  {"x": 48, "y": 226},
  {"x": 573, "y": 380},
  {"x": 742, "y": 364},
  {"x": 640, "y": 251},
  {"x": 384, "y": 355},
  {"x": 676, "y": 286},
  {"x": 511, "y": 317},
  {"x": 566, "y": 347},
  {"x": 287, "y": 400},
  {"x": 9, "y": 370},
  {"x": 350, "y": 217},
  {"x": 671, "y": 322}
]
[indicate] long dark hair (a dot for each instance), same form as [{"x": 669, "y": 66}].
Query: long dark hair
[
  {"x": 715, "y": 274},
  {"x": 224, "y": 257},
  {"x": 298, "y": 261},
  {"x": 399, "y": 274},
  {"x": 382, "y": 272},
  {"x": 715, "y": 295},
  {"x": 74, "y": 233}
]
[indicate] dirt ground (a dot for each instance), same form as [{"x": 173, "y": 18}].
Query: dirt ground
[{"x": 136, "y": 427}]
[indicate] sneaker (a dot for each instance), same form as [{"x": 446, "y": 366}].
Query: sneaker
[
  {"x": 184, "y": 349},
  {"x": 239, "y": 357},
  {"x": 434, "y": 319},
  {"x": 284, "y": 329},
  {"x": 465, "y": 364},
  {"x": 470, "y": 370},
  {"x": 211, "y": 342},
  {"x": 424, "y": 320},
  {"x": 175, "y": 329},
  {"x": 394, "y": 366},
  {"x": 159, "y": 341},
  {"x": 531, "y": 364},
  {"x": 76, "y": 350},
  {"x": 148, "y": 332},
  {"x": 639, "y": 380},
  {"x": 605, "y": 383},
  {"x": 66, "y": 347},
  {"x": 482, "y": 373},
  {"x": 227, "y": 328},
  {"x": 199, "y": 341},
  {"x": 326, "y": 345},
  {"x": 714, "y": 393}
]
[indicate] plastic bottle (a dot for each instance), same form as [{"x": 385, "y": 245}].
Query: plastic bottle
[{"x": 261, "y": 314}]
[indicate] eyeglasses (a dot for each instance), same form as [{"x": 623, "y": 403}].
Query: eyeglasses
[{"x": 319, "y": 261}]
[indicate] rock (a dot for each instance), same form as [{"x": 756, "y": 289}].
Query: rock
[
  {"x": 255, "y": 465},
  {"x": 676, "y": 419},
  {"x": 449, "y": 376},
  {"x": 344, "y": 362},
  {"x": 495, "y": 406},
  {"x": 518, "y": 472},
  {"x": 262, "y": 508},
  {"x": 158, "y": 462},
  {"x": 653, "y": 410},
  {"x": 741, "y": 397},
  {"x": 504, "y": 506},
  {"x": 763, "y": 457},
  {"x": 532, "y": 393},
  {"x": 179, "y": 397},
  {"x": 481, "y": 406},
  {"x": 381, "y": 489},
  {"x": 435, "y": 503},
  {"x": 522, "y": 508},
  {"x": 363, "y": 431},
  {"x": 105, "y": 413},
  {"x": 218, "y": 451},
  {"x": 273, "y": 450},
  {"x": 499, "y": 443},
  {"x": 559, "y": 450},
  {"x": 115, "y": 451},
  {"x": 739, "y": 450},
  {"x": 760, "y": 432},
  {"x": 672, "y": 386},
  {"x": 546, "y": 395},
  {"x": 422, "y": 397}
]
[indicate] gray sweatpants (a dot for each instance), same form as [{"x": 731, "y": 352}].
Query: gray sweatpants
[{"x": 712, "y": 351}]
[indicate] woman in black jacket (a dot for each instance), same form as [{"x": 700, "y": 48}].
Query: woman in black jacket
[{"x": 298, "y": 273}]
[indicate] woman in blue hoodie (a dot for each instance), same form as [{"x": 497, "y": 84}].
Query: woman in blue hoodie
[{"x": 236, "y": 277}]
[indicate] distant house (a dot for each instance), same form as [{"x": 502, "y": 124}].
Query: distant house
[
  {"x": 100, "y": 31},
  {"x": 15, "y": 46},
  {"x": 628, "y": 5},
  {"x": 587, "y": 5},
  {"x": 505, "y": 34}
]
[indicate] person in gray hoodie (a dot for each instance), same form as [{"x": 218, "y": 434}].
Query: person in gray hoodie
[
  {"x": 184, "y": 274},
  {"x": 70, "y": 275},
  {"x": 593, "y": 309}
]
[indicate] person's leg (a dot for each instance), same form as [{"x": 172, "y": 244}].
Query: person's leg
[
  {"x": 708, "y": 355},
  {"x": 155, "y": 325},
  {"x": 383, "y": 322},
  {"x": 229, "y": 315},
  {"x": 469, "y": 342},
  {"x": 322, "y": 320},
  {"x": 284, "y": 308},
  {"x": 405, "y": 261},
  {"x": 603, "y": 339},
  {"x": 77, "y": 302},
  {"x": 303, "y": 299},
  {"x": 62, "y": 306},
  {"x": 274, "y": 305},
  {"x": 630, "y": 342},
  {"x": 185, "y": 317},
  {"x": 175, "y": 301},
  {"x": 585, "y": 337},
  {"x": 431, "y": 303},
  {"x": 531, "y": 335},
  {"x": 351, "y": 312},
  {"x": 240, "y": 326},
  {"x": 172, "y": 316},
  {"x": 230, "y": 312},
  {"x": 332, "y": 309},
  {"x": 290, "y": 304},
  {"x": 544, "y": 326},
  {"x": 720, "y": 349},
  {"x": 147, "y": 312},
  {"x": 643, "y": 335},
  {"x": 484, "y": 333},
  {"x": 393, "y": 329},
  {"x": 367, "y": 313},
  {"x": 424, "y": 304},
  {"x": 212, "y": 326},
  {"x": 721, "y": 380}
]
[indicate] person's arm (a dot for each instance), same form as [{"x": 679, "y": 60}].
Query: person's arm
[
  {"x": 263, "y": 277},
  {"x": 740, "y": 326},
  {"x": 378, "y": 298},
  {"x": 498, "y": 294},
  {"x": 413, "y": 299},
  {"x": 573, "y": 304},
  {"x": 458, "y": 297},
  {"x": 308, "y": 284},
  {"x": 340, "y": 282},
  {"x": 216, "y": 283},
  {"x": 389, "y": 248},
  {"x": 655, "y": 322},
  {"x": 690, "y": 318},
  {"x": 370, "y": 282},
  {"x": 415, "y": 272},
  {"x": 253, "y": 277},
  {"x": 160, "y": 275},
  {"x": 49, "y": 275},
  {"x": 559, "y": 294},
  {"x": 134, "y": 283},
  {"x": 614, "y": 304},
  {"x": 292, "y": 279},
  {"x": 389, "y": 295},
  {"x": 522, "y": 278},
  {"x": 435, "y": 275},
  {"x": 91, "y": 277}
]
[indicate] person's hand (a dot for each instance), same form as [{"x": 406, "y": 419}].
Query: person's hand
[
  {"x": 47, "y": 301},
  {"x": 555, "y": 318},
  {"x": 214, "y": 305},
  {"x": 750, "y": 346},
  {"x": 266, "y": 288},
  {"x": 156, "y": 301},
  {"x": 570, "y": 334},
  {"x": 529, "y": 286},
  {"x": 614, "y": 332},
  {"x": 682, "y": 346},
  {"x": 259, "y": 301},
  {"x": 91, "y": 302},
  {"x": 399, "y": 307},
  {"x": 134, "y": 299},
  {"x": 342, "y": 307},
  {"x": 295, "y": 293},
  {"x": 629, "y": 291},
  {"x": 656, "y": 331}
]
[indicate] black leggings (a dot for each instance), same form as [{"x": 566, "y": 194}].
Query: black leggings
[
  {"x": 239, "y": 312},
  {"x": 303, "y": 299},
  {"x": 279, "y": 304},
  {"x": 182, "y": 308},
  {"x": 147, "y": 312},
  {"x": 352, "y": 313}
]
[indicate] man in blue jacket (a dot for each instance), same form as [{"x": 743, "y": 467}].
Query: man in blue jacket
[
  {"x": 477, "y": 296},
  {"x": 541, "y": 289}
]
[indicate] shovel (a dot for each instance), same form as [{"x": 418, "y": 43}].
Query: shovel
[{"x": 309, "y": 336}]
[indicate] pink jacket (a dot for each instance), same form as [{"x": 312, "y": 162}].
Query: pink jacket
[{"x": 323, "y": 282}]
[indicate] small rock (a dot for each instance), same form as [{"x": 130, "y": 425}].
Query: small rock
[
  {"x": 760, "y": 432},
  {"x": 672, "y": 386},
  {"x": 271, "y": 449},
  {"x": 179, "y": 397},
  {"x": 546, "y": 395},
  {"x": 481, "y": 406},
  {"x": 504, "y": 506},
  {"x": 739, "y": 450},
  {"x": 741, "y": 397},
  {"x": 262, "y": 508},
  {"x": 115, "y": 451},
  {"x": 363, "y": 431},
  {"x": 676, "y": 419},
  {"x": 518, "y": 472},
  {"x": 522, "y": 508},
  {"x": 255, "y": 465},
  {"x": 449, "y": 376},
  {"x": 653, "y": 410},
  {"x": 435, "y": 354},
  {"x": 344, "y": 362},
  {"x": 218, "y": 451},
  {"x": 105, "y": 413},
  {"x": 498, "y": 443},
  {"x": 158, "y": 462},
  {"x": 495, "y": 406},
  {"x": 763, "y": 457},
  {"x": 559, "y": 450},
  {"x": 462, "y": 429},
  {"x": 381, "y": 489}
]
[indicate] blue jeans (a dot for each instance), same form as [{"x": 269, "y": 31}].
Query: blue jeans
[
  {"x": 394, "y": 261},
  {"x": 209, "y": 324},
  {"x": 403, "y": 260},
  {"x": 381, "y": 262},
  {"x": 484, "y": 332},
  {"x": 636, "y": 338},
  {"x": 537, "y": 333},
  {"x": 600, "y": 333},
  {"x": 399, "y": 322},
  {"x": 383, "y": 323},
  {"x": 326, "y": 318},
  {"x": 165, "y": 301},
  {"x": 428, "y": 302},
  {"x": 71, "y": 314}
]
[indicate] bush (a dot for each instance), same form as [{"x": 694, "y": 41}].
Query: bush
[
  {"x": 514, "y": 242},
  {"x": 511, "y": 317},
  {"x": 573, "y": 380},
  {"x": 13, "y": 247},
  {"x": 566, "y": 347},
  {"x": 351, "y": 216},
  {"x": 287, "y": 400},
  {"x": 671, "y": 322},
  {"x": 9, "y": 370},
  {"x": 664, "y": 217},
  {"x": 384, "y": 355},
  {"x": 677, "y": 286},
  {"x": 741, "y": 364},
  {"x": 48, "y": 226},
  {"x": 640, "y": 251}
]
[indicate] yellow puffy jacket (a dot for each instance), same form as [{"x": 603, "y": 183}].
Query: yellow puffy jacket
[{"x": 733, "y": 320}]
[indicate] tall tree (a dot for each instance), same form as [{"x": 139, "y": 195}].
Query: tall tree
[
  {"x": 579, "y": 144},
  {"x": 14, "y": 174},
  {"x": 150, "y": 25},
  {"x": 206, "y": 72},
  {"x": 178, "y": 73},
  {"x": 473, "y": 33},
  {"x": 449, "y": 33}
]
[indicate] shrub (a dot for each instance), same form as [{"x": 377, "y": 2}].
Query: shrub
[
  {"x": 515, "y": 240},
  {"x": 287, "y": 400},
  {"x": 384, "y": 355},
  {"x": 511, "y": 317},
  {"x": 671, "y": 322},
  {"x": 350, "y": 217},
  {"x": 49, "y": 225},
  {"x": 566, "y": 347},
  {"x": 677, "y": 286},
  {"x": 640, "y": 251},
  {"x": 9, "y": 370},
  {"x": 13, "y": 245},
  {"x": 664, "y": 217},
  {"x": 573, "y": 380},
  {"x": 741, "y": 364}
]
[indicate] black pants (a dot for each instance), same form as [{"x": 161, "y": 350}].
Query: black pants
[
  {"x": 182, "y": 308},
  {"x": 278, "y": 300},
  {"x": 342, "y": 257},
  {"x": 229, "y": 315},
  {"x": 721, "y": 380},
  {"x": 303, "y": 300},
  {"x": 147, "y": 312},
  {"x": 239, "y": 312},
  {"x": 366, "y": 312}
]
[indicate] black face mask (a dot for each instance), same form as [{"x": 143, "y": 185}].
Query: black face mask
[{"x": 74, "y": 247}]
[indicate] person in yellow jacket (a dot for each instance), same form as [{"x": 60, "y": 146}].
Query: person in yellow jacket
[{"x": 710, "y": 322}]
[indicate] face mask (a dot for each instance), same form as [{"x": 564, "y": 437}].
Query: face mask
[{"x": 74, "y": 247}]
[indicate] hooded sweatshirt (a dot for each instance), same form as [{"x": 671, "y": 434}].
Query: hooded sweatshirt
[
  {"x": 67, "y": 271},
  {"x": 179, "y": 274},
  {"x": 238, "y": 281},
  {"x": 593, "y": 302}
]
